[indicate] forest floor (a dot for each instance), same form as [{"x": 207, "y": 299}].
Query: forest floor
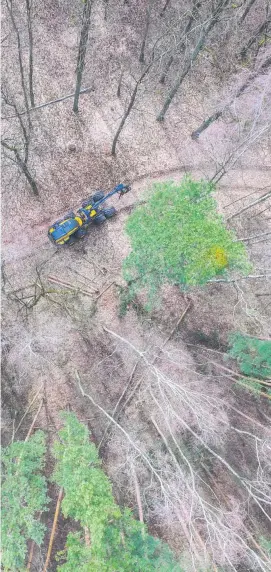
[{"x": 72, "y": 328}]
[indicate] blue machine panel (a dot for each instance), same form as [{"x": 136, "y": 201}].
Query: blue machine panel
[{"x": 64, "y": 228}]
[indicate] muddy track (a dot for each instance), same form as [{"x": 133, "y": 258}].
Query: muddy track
[{"x": 35, "y": 236}]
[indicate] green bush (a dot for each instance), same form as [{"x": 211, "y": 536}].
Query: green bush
[
  {"x": 253, "y": 355},
  {"x": 23, "y": 496},
  {"x": 118, "y": 542},
  {"x": 178, "y": 237}
]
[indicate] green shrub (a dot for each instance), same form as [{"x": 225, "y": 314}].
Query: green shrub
[
  {"x": 23, "y": 496},
  {"x": 266, "y": 545},
  {"x": 253, "y": 355},
  {"x": 178, "y": 237}
]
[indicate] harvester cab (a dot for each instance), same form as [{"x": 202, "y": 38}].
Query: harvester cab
[{"x": 75, "y": 225}]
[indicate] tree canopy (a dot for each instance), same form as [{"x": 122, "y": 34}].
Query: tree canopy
[
  {"x": 108, "y": 539},
  {"x": 118, "y": 541},
  {"x": 253, "y": 355},
  {"x": 23, "y": 496},
  {"x": 178, "y": 237}
]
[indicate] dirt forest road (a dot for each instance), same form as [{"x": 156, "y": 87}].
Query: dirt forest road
[{"x": 244, "y": 185}]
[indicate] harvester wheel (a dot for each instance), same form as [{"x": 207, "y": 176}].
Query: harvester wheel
[
  {"x": 71, "y": 240},
  {"x": 109, "y": 212},
  {"x": 99, "y": 219},
  {"x": 87, "y": 202},
  {"x": 93, "y": 199},
  {"x": 80, "y": 233},
  {"x": 97, "y": 196}
]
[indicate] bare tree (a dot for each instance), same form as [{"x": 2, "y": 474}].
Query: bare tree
[
  {"x": 16, "y": 147},
  {"x": 164, "y": 7},
  {"x": 105, "y": 9},
  {"x": 120, "y": 82},
  {"x": 262, "y": 29},
  {"x": 265, "y": 197},
  {"x": 247, "y": 140},
  {"x": 19, "y": 152},
  {"x": 22, "y": 165},
  {"x": 214, "y": 18},
  {"x": 191, "y": 19},
  {"x": 82, "y": 51},
  {"x": 129, "y": 108},
  {"x": 207, "y": 122},
  {"x": 246, "y": 10},
  {"x": 30, "y": 36},
  {"x": 9, "y": 4},
  {"x": 147, "y": 25},
  {"x": 182, "y": 409}
]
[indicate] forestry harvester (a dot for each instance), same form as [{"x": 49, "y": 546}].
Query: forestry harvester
[{"x": 75, "y": 225}]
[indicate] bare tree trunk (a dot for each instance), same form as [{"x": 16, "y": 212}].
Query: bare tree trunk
[
  {"x": 10, "y": 11},
  {"x": 195, "y": 134},
  {"x": 172, "y": 93},
  {"x": 213, "y": 20},
  {"x": 166, "y": 70},
  {"x": 188, "y": 27},
  {"x": 30, "y": 36},
  {"x": 53, "y": 531},
  {"x": 260, "y": 30},
  {"x": 257, "y": 202},
  {"x": 120, "y": 82},
  {"x": 129, "y": 108},
  {"x": 82, "y": 51},
  {"x": 26, "y": 135},
  {"x": 164, "y": 7},
  {"x": 205, "y": 124},
  {"x": 23, "y": 167},
  {"x": 266, "y": 64},
  {"x": 147, "y": 25},
  {"x": 105, "y": 9},
  {"x": 246, "y": 11},
  {"x": 42, "y": 105}
]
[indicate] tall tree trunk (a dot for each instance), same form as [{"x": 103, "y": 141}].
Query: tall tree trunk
[
  {"x": 82, "y": 51},
  {"x": 147, "y": 25},
  {"x": 188, "y": 27},
  {"x": 164, "y": 7},
  {"x": 166, "y": 69},
  {"x": 120, "y": 82},
  {"x": 10, "y": 11},
  {"x": 129, "y": 108},
  {"x": 213, "y": 20},
  {"x": 246, "y": 10},
  {"x": 260, "y": 30},
  {"x": 205, "y": 124},
  {"x": 23, "y": 167},
  {"x": 30, "y": 36},
  {"x": 25, "y": 132},
  {"x": 172, "y": 93},
  {"x": 105, "y": 9},
  {"x": 240, "y": 91}
]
